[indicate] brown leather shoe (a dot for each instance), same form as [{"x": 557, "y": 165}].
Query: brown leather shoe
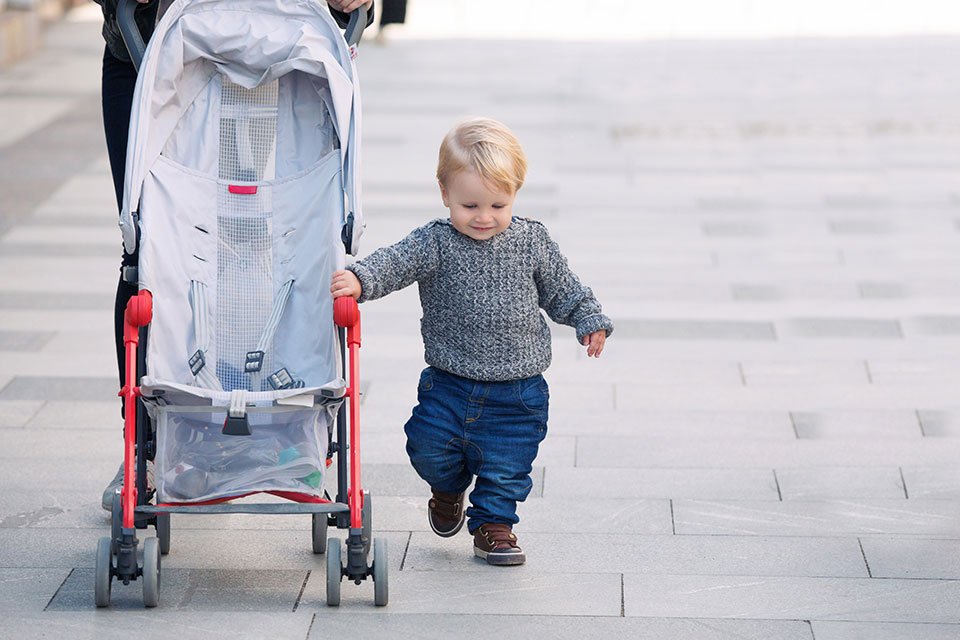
[
  {"x": 445, "y": 513},
  {"x": 497, "y": 544}
]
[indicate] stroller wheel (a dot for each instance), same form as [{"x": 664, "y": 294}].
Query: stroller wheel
[
  {"x": 163, "y": 532},
  {"x": 381, "y": 590},
  {"x": 103, "y": 572},
  {"x": 319, "y": 533},
  {"x": 367, "y": 513},
  {"x": 151, "y": 572},
  {"x": 334, "y": 572},
  {"x": 116, "y": 522}
]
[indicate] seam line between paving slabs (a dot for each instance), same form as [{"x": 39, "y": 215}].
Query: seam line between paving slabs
[
  {"x": 406, "y": 549},
  {"x": 55, "y": 593},
  {"x": 864, "y": 555},
  {"x": 903, "y": 481},
  {"x": 313, "y": 618},
  {"x": 303, "y": 588},
  {"x": 776, "y": 481}
]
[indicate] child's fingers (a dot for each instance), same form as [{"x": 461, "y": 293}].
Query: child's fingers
[{"x": 597, "y": 340}]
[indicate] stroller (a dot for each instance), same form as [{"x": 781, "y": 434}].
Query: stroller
[{"x": 241, "y": 195}]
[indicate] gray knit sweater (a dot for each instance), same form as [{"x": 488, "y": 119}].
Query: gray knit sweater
[{"x": 481, "y": 299}]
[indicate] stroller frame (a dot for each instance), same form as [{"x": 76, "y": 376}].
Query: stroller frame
[{"x": 117, "y": 555}]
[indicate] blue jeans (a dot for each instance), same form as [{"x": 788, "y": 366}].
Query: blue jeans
[{"x": 462, "y": 428}]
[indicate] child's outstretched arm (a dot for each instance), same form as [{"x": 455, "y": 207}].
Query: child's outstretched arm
[
  {"x": 390, "y": 268},
  {"x": 568, "y": 301},
  {"x": 344, "y": 283}
]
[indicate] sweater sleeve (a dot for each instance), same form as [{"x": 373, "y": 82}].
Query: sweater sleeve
[
  {"x": 565, "y": 299},
  {"x": 392, "y": 268}
]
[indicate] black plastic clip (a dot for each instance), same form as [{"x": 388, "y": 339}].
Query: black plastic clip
[
  {"x": 236, "y": 426},
  {"x": 254, "y": 361},
  {"x": 196, "y": 362}
]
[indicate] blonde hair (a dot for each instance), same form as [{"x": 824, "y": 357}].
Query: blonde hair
[{"x": 488, "y": 147}]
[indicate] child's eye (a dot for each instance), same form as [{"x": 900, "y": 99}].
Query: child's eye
[
  {"x": 469, "y": 206},
  {"x": 499, "y": 206}
]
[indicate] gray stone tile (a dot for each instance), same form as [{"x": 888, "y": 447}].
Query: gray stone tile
[
  {"x": 857, "y": 424},
  {"x": 940, "y": 423},
  {"x": 819, "y": 518},
  {"x": 840, "y": 328},
  {"x": 61, "y": 388},
  {"x": 402, "y": 480},
  {"x": 16, "y": 413},
  {"x": 942, "y": 325},
  {"x": 479, "y": 627},
  {"x": 850, "y": 599},
  {"x": 910, "y": 558},
  {"x": 710, "y": 452},
  {"x": 736, "y": 229},
  {"x": 235, "y": 590},
  {"x": 695, "y": 330},
  {"x": 829, "y": 483},
  {"x": 720, "y": 484},
  {"x": 86, "y": 415},
  {"x": 827, "y": 630},
  {"x": 28, "y": 300},
  {"x": 504, "y": 592},
  {"x": 859, "y": 227},
  {"x": 883, "y": 290},
  {"x": 659, "y": 554},
  {"x": 28, "y": 590},
  {"x": 24, "y": 340},
  {"x": 912, "y": 372},
  {"x": 803, "y": 373},
  {"x": 666, "y": 427},
  {"x": 933, "y": 482},
  {"x": 162, "y": 622}
]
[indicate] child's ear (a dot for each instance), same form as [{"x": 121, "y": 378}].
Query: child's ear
[{"x": 443, "y": 194}]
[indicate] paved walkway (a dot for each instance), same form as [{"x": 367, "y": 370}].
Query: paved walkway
[{"x": 768, "y": 448}]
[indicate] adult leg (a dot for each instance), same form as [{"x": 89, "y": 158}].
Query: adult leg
[{"x": 116, "y": 91}]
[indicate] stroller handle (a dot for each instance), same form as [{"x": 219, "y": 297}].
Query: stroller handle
[
  {"x": 356, "y": 25},
  {"x": 136, "y": 46},
  {"x": 129, "y": 31}
]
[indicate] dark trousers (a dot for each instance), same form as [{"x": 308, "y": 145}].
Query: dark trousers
[{"x": 116, "y": 90}]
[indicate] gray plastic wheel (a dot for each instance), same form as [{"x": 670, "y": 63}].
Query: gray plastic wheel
[
  {"x": 116, "y": 522},
  {"x": 103, "y": 572},
  {"x": 163, "y": 532},
  {"x": 151, "y": 572},
  {"x": 381, "y": 584},
  {"x": 319, "y": 533},
  {"x": 334, "y": 572},
  {"x": 367, "y": 515}
]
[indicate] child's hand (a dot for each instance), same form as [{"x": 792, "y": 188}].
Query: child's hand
[
  {"x": 594, "y": 343},
  {"x": 344, "y": 283}
]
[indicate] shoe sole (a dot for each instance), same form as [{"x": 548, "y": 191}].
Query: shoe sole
[
  {"x": 500, "y": 559},
  {"x": 446, "y": 534}
]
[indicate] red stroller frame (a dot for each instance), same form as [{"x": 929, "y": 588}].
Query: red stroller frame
[{"x": 117, "y": 555}]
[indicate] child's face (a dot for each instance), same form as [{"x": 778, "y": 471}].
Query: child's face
[{"x": 476, "y": 210}]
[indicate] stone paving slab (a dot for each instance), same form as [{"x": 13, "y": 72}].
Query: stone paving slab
[
  {"x": 848, "y": 599},
  {"x": 825, "y": 630},
  {"x": 831, "y": 483},
  {"x": 598, "y": 451},
  {"x": 932, "y": 482},
  {"x": 720, "y": 484},
  {"x": 503, "y": 592},
  {"x": 825, "y": 517},
  {"x": 475, "y": 627},
  {"x": 657, "y": 554},
  {"x": 28, "y": 589},
  {"x": 227, "y": 590},
  {"x": 905, "y": 558},
  {"x": 156, "y": 624}
]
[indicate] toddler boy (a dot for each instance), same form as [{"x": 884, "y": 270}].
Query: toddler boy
[{"x": 483, "y": 276}]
